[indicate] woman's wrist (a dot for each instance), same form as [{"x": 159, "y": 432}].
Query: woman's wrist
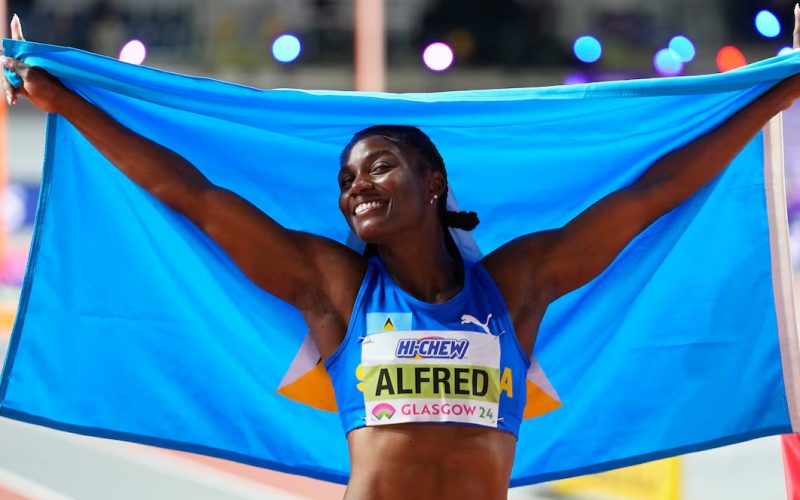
[
  {"x": 785, "y": 93},
  {"x": 65, "y": 102}
]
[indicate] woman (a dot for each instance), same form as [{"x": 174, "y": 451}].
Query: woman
[{"x": 393, "y": 186}]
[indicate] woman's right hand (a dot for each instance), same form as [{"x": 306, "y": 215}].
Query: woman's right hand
[{"x": 40, "y": 87}]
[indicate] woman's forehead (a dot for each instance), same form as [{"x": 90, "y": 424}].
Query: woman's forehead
[{"x": 370, "y": 148}]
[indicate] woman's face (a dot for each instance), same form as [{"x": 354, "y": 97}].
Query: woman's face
[{"x": 382, "y": 190}]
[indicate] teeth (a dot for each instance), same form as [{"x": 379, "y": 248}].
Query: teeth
[{"x": 363, "y": 207}]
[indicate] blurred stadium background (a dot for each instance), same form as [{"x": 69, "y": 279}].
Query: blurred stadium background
[{"x": 430, "y": 45}]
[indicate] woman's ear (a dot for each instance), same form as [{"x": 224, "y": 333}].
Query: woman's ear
[{"x": 437, "y": 185}]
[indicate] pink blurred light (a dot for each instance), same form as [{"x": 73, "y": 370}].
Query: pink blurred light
[
  {"x": 438, "y": 56},
  {"x": 133, "y": 52}
]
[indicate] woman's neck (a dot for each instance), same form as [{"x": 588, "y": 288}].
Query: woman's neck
[{"x": 426, "y": 271}]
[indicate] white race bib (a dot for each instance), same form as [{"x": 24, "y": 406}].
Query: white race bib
[{"x": 431, "y": 376}]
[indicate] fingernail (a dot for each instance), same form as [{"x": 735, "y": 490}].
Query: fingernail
[{"x": 3, "y": 59}]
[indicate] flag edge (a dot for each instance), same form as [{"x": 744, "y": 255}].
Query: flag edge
[
  {"x": 33, "y": 257},
  {"x": 649, "y": 457},
  {"x": 97, "y": 432}
]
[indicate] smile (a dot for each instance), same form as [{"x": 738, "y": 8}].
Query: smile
[{"x": 368, "y": 205}]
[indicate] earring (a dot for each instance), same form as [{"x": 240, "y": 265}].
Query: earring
[{"x": 434, "y": 198}]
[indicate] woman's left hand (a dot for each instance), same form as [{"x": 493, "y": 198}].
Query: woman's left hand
[{"x": 42, "y": 89}]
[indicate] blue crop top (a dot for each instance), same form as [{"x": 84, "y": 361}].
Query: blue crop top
[{"x": 404, "y": 360}]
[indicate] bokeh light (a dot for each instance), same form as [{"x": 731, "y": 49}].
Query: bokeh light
[
  {"x": 587, "y": 49},
  {"x": 133, "y": 52},
  {"x": 286, "y": 48},
  {"x": 683, "y": 47},
  {"x": 785, "y": 50},
  {"x": 576, "y": 78},
  {"x": 667, "y": 62},
  {"x": 437, "y": 56},
  {"x": 729, "y": 57},
  {"x": 14, "y": 207},
  {"x": 767, "y": 24}
]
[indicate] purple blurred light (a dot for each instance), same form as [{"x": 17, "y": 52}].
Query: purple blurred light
[{"x": 576, "y": 78}]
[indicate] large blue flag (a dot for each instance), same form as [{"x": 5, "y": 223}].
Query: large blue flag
[{"x": 133, "y": 325}]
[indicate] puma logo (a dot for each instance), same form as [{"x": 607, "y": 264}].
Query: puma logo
[{"x": 467, "y": 319}]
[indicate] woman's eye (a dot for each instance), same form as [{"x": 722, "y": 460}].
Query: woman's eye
[
  {"x": 345, "y": 182},
  {"x": 379, "y": 168}
]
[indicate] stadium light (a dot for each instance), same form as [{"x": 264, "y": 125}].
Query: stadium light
[
  {"x": 133, "y": 52},
  {"x": 286, "y": 48},
  {"x": 587, "y": 48},
  {"x": 438, "y": 56}
]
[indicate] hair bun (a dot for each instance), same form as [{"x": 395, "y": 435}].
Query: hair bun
[{"x": 461, "y": 220}]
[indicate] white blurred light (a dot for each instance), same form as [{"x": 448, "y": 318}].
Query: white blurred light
[
  {"x": 133, "y": 52},
  {"x": 438, "y": 56},
  {"x": 785, "y": 50},
  {"x": 14, "y": 207}
]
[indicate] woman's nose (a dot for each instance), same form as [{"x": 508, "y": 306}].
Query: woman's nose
[{"x": 361, "y": 184}]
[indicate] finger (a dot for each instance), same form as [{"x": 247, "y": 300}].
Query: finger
[
  {"x": 796, "y": 33},
  {"x": 20, "y": 69},
  {"x": 15, "y": 66},
  {"x": 10, "y": 92},
  {"x": 16, "y": 28},
  {"x": 7, "y": 88}
]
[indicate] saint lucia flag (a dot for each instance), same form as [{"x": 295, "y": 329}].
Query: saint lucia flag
[{"x": 133, "y": 325}]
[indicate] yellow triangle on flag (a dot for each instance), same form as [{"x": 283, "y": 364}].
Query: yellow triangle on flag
[
  {"x": 314, "y": 388},
  {"x": 538, "y": 402},
  {"x": 388, "y": 326}
]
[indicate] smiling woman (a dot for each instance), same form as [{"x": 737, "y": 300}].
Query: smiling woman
[
  {"x": 428, "y": 351},
  {"x": 369, "y": 163}
]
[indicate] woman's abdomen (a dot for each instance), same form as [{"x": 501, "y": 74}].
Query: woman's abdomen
[{"x": 429, "y": 461}]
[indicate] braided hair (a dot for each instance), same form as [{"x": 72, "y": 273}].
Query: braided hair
[{"x": 413, "y": 138}]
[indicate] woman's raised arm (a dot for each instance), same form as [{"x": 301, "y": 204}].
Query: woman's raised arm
[
  {"x": 541, "y": 267},
  {"x": 316, "y": 275}
]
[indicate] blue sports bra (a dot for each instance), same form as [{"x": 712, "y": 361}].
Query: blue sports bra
[{"x": 404, "y": 360}]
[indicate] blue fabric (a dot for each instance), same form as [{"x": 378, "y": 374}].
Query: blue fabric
[
  {"x": 12, "y": 78},
  {"x": 383, "y": 306},
  {"x": 133, "y": 325}
]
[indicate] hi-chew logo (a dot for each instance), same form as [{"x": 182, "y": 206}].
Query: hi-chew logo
[{"x": 432, "y": 347}]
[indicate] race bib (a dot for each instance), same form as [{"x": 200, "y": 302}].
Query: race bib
[{"x": 430, "y": 376}]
